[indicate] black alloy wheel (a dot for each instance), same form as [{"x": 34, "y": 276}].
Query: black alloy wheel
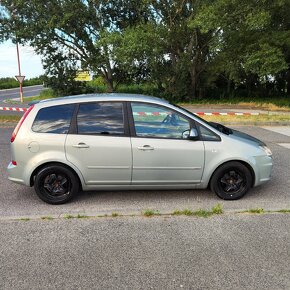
[
  {"x": 231, "y": 181},
  {"x": 56, "y": 184}
]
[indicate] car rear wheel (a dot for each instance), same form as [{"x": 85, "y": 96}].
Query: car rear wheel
[
  {"x": 231, "y": 181},
  {"x": 56, "y": 184}
]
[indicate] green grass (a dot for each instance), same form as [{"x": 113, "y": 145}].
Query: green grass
[
  {"x": 203, "y": 213},
  {"x": 187, "y": 212},
  {"x": 249, "y": 119},
  {"x": 44, "y": 95},
  {"x": 177, "y": 212},
  {"x": 284, "y": 210},
  {"x": 264, "y": 103},
  {"x": 81, "y": 216},
  {"x": 68, "y": 216},
  {"x": 150, "y": 212},
  {"x": 47, "y": 218},
  {"x": 9, "y": 118},
  {"x": 217, "y": 209},
  {"x": 256, "y": 210},
  {"x": 78, "y": 216}
]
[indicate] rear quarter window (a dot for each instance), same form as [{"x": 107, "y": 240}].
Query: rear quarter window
[{"x": 55, "y": 119}]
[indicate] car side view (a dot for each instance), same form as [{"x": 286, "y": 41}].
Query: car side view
[{"x": 123, "y": 141}]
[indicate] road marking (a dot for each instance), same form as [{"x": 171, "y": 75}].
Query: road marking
[
  {"x": 286, "y": 145},
  {"x": 284, "y": 130}
]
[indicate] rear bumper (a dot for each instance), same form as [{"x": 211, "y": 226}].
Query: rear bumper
[{"x": 15, "y": 174}]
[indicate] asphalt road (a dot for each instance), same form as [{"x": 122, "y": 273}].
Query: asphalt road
[
  {"x": 230, "y": 251},
  {"x": 14, "y": 93},
  {"x": 221, "y": 252},
  {"x": 18, "y": 200}
]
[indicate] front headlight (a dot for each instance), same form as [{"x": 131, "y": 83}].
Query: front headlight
[{"x": 266, "y": 150}]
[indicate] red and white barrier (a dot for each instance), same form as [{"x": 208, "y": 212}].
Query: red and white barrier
[
  {"x": 13, "y": 109},
  {"x": 198, "y": 113},
  {"x": 226, "y": 114},
  {"x": 154, "y": 113}
]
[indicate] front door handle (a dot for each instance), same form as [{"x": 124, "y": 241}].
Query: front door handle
[
  {"x": 81, "y": 145},
  {"x": 145, "y": 148}
]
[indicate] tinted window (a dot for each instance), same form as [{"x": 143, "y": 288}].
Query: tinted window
[
  {"x": 101, "y": 118},
  {"x": 160, "y": 122},
  {"x": 54, "y": 119}
]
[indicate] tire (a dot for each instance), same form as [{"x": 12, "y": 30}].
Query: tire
[
  {"x": 56, "y": 184},
  {"x": 231, "y": 181}
]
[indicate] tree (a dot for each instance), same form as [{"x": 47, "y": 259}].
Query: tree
[
  {"x": 70, "y": 27},
  {"x": 253, "y": 39}
]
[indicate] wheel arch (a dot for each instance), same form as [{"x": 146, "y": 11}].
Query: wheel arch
[
  {"x": 37, "y": 169},
  {"x": 252, "y": 172}
]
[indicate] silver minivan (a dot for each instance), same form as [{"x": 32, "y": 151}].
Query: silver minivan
[{"x": 122, "y": 141}]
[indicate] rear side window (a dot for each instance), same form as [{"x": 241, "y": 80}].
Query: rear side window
[
  {"x": 101, "y": 118},
  {"x": 55, "y": 119}
]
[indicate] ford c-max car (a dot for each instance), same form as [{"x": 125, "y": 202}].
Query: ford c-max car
[{"x": 121, "y": 141}]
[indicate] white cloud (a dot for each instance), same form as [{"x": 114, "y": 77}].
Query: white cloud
[{"x": 30, "y": 62}]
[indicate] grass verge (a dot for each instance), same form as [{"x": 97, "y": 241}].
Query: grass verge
[
  {"x": 263, "y": 118},
  {"x": 10, "y": 118},
  {"x": 216, "y": 210}
]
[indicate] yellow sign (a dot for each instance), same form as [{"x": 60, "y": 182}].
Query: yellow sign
[{"x": 83, "y": 76}]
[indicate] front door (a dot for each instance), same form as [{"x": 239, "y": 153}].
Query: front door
[{"x": 162, "y": 152}]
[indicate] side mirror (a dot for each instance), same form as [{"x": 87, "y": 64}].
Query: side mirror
[{"x": 193, "y": 134}]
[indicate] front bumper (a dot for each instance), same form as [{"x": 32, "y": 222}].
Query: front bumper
[{"x": 264, "y": 166}]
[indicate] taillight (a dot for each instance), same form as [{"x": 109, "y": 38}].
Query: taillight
[{"x": 14, "y": 134}]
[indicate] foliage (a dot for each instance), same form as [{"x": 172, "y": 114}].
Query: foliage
[
  {"x": 9, "y": 83},
  {"x": 252, "y": 42},
  {"x": 188, "y": 49}
]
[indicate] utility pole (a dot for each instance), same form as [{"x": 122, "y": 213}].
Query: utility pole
[{"x": 19, "y": 78}]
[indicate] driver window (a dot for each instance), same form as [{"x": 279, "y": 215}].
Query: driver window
[{"x": 159, "y": 122}]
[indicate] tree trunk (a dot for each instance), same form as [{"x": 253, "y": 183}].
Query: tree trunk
[
  {"x": 288, "y": 81},
  {"x": 193, "y": 82},
  {"x": 108, "y": 77}
]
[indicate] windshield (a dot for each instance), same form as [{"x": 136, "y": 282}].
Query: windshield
[
  {"x": 194, "y": 115},
  {"x": 217, "y": 126}
]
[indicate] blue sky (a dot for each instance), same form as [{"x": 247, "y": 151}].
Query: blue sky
[{"x": 29, "y": 60}]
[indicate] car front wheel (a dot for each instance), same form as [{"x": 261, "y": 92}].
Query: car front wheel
[
  {"x": 56, "y": 184},
  {"x": 231, "y": 181}
]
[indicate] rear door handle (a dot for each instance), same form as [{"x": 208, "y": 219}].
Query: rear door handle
[
  {"x": 81, "y": 145},
  {"x": 145, "y": 148}
]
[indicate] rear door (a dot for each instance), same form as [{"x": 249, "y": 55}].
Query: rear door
[{"x": 100, "y": 144}]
